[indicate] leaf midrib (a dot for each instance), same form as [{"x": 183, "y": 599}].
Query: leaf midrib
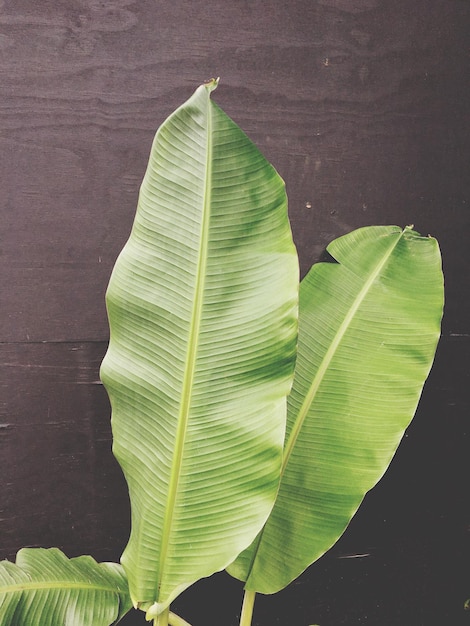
[
  {"x": 191, "y": 356},
  {"x": 62, "y": 585}
]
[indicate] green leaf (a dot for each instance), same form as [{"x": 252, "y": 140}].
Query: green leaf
[
  {"x": 45, "y": 588},
  {"x": 202, "y": 306},
  {"x": 369, "y": 325}
]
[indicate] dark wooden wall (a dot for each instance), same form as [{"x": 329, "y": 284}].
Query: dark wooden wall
[{"x": 361, "y": 105}]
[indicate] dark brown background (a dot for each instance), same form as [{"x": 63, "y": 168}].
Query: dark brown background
[{"x": 360, "y": 104}]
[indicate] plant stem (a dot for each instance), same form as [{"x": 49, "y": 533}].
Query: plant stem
[
  {"x": 176, "y": 620},
  {"x": 247, "y": 608},
  {"x": 162, "y": 619}
]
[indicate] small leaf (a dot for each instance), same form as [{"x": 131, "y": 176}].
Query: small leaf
[{"x": 45, "y": 588}]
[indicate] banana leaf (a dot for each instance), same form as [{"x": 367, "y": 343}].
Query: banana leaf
[
  {"x": 368, "y": 330},
  {"x": 45, "y": 588},
  {"x": 202, "y": 306}
]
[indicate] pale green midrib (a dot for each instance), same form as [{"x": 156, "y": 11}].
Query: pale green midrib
[
  {"x": 23, "y": 586},
  {"x": 317, "y": 381},
  {"x": 191, "y": 355},
  {"x": 310, "y": 396}
]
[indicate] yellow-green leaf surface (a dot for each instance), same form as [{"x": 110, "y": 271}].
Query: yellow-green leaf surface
[
  {"x": 202, "y": 306},
  {"x": 45, "y": 588},
  {"x": 369, "y": 326}
]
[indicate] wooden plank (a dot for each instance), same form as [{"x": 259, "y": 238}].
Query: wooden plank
[
  {"x": 351, "y": 104},
  {"x": 362, "y": 107},
  {"x": 60, "y": 483}
]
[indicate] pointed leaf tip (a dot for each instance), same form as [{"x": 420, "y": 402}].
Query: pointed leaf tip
[{"x": 211, "y": 84}]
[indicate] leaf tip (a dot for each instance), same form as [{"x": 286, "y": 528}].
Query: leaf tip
[{"x": 211, "y": 84}]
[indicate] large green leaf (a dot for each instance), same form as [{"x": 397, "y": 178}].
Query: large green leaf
[
  {"x": 202, "y": 306},
  {"x": 368, "y": 329},
  {"x": 45, "y": 588}
]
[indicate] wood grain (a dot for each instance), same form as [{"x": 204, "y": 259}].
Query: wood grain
[
  {"x": 60, "y": 484},
  {"x": 362, "y": 106}
]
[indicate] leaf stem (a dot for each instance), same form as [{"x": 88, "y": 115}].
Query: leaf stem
[
  {"x": 163, "y": 618},
  {"x": 247, "y": 608},
  {"x": 176, "y": 620}
]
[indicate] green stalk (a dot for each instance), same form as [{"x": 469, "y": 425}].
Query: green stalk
[
  {"x": 247, "y": 608},
  {"x": 162, "y": 618}
]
